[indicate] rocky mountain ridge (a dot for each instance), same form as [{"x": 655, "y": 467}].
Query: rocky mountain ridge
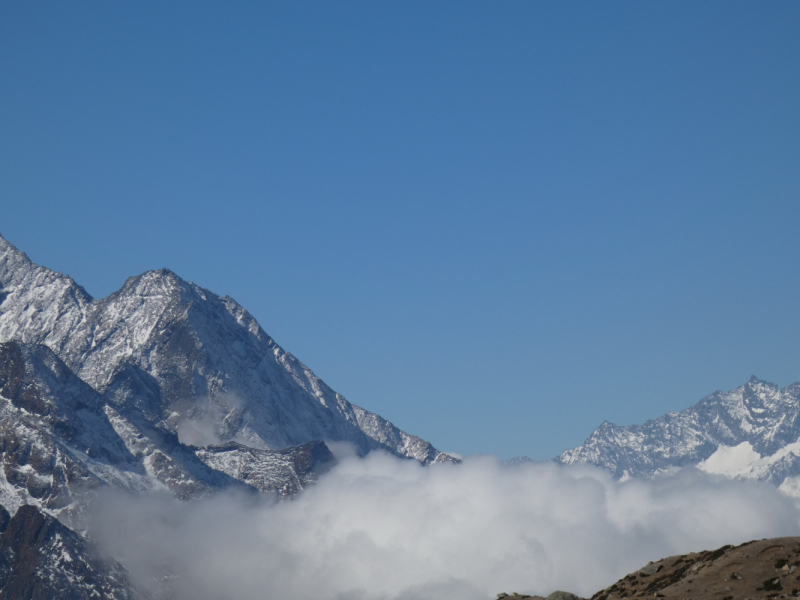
[
  {"x": 750, "y": 432},
  {"x": 161, "y": 385},
  {"x": 171, "y": 352},
  {"x": 757, "y": 570}
]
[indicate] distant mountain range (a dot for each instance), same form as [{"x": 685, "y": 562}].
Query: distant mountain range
[{"x": 752, "y": 432}]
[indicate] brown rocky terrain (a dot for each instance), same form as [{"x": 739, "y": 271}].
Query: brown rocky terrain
[{"x": 758, "y": 570}]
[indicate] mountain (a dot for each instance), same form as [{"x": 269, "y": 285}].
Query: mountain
[
  {"x": 59, "y": 438},
  {"x": 184, "y": 361},
  {"x": 174, "y": 386},
  {"x": 751, "y": 432},
  {"x": 757, "y": 569},
  {"x": 161, "y": 386}
]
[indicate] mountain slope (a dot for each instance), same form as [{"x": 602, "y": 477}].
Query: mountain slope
[
  {"x": 173, "y": 357},
  {"x": 757, "y": 569},
  {"x": 161, "y": 386},
  {"x": 759, "y": 420},
  {"x": 58, "y": 441},
  {"x": 763, "y": 568},
  {"x": 41, "y": 558}
]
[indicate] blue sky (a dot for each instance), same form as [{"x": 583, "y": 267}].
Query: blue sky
[{"x": 495, "y": 224}]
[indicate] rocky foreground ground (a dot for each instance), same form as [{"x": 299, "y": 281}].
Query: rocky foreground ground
[{"x": 757, "y": 570}]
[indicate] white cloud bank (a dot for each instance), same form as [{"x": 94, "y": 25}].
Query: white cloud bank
[{"x": 381, "y": 528}]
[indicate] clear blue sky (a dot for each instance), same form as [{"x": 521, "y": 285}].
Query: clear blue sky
[{"x": 495, "y": 224}]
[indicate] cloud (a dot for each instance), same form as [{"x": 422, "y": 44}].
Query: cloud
[
  {"x": 381, "y": 528},
  {"x": 206, "y": 421}
]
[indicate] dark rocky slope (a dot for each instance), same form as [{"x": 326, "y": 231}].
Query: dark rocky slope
[
  {"x": 758, "y": 570},
  {"x": 41, "y": 559}
]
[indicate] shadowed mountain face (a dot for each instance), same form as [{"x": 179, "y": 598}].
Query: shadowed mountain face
[
  {"x": 750, "y": 432},
  {"x": 41, "y": 558}
]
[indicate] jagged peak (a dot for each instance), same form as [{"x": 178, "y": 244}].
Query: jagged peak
[
  {"x": 753, "y": 379},
  {"x": 170, "y": 276},
  {"x": 219, "y": 348},
  {"x": 162, "y": 273},
  {"x": 756, "y": 384},
  {"x": 166, "y": 280},
  {"x": 7, "y": 248},
  {"x": 14, "y": 264}
]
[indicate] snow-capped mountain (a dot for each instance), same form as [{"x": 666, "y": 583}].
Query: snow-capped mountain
[
  {"x": 161, "y": 385},
  {"x": 751, "y": 432},
  {"x": 186, "y": 361}
]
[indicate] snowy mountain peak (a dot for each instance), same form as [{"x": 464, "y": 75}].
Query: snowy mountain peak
[
  {"x": 171, "y": 356},
  {"x": 16, "y": 269},
  {"x": 751, "y": 431}
]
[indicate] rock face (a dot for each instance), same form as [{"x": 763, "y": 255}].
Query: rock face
[
  {"x": 749, "y": 432},
  {"x": 761, "y": 569},
  {"x": 41, "y": 558}
]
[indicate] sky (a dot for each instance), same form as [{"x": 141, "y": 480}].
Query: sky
[{"x": 495, "y": 224}]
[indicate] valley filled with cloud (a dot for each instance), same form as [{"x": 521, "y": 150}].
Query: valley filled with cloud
[{"x": 384, "y": 528}]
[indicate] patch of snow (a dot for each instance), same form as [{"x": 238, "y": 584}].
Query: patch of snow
[
  {"x": 730, "y": 461},
  {"x": 791, "y": 486}
]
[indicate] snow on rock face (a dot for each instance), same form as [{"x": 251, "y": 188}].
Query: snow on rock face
[
  {"x": 41, "y": 558},
  {"x": 751, "y": 432},
  {"x": 164, "y": 352},
  {"x": 730, "y": 461}
]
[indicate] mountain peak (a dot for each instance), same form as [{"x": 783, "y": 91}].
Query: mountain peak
[
  {"x": 12, "y": 257},
  {"x": 183, "y": 357},
  {"x": 757, "y": 413}
]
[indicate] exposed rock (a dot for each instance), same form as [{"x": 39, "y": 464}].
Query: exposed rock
[
  {"x": 758, "y": 570},
  {"x": 40, "y": 558},
  {"x": 753, "y": 570},
  {"x": 650, "y": 569}
]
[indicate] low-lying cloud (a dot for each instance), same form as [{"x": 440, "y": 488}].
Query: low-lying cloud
[
  {"x": 381, "y": 528},
  {"x": 205, "y": 422}
]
